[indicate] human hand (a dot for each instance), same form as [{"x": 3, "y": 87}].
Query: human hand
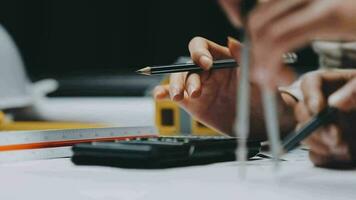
[
  {"x": 279, "y": 26},
  {"x": 333, "y": 145},
  {"x": 232, "y": 9},
  {"x": 211, "y": 95}
]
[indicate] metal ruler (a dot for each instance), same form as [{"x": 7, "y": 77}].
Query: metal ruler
[
  {"x": 35, "y": 154},
  {"x": 34, "y": 145}
]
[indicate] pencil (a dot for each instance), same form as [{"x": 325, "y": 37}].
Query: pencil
[
  {"x": 288, "y": 58},
  {"x": 188, "y": 67},
  {"x": 324, "y": 117}
]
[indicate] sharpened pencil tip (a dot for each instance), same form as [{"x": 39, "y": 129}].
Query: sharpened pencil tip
[{"x": 144, "y": 71}]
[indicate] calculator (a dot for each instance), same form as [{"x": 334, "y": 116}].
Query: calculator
[{"x": 160, "y": 152}]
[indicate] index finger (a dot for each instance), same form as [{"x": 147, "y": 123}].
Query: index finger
[
  {"x": 312, "y": 91},
  {"x": 317, "y": 86},
  {"x": 345, "y": 98}
]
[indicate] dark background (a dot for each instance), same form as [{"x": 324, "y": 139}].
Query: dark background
[
  {"x": 65, "y": 37},
  {"x": 76, "y": 38}
]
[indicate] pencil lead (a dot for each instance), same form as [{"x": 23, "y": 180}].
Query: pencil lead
[{"x": 144, "y": 71}]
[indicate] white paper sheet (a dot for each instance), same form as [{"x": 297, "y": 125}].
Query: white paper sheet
[{"x": 60, "y": 179}]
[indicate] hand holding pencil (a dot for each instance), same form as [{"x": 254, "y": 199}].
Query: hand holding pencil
[
  {"x": 209, "y": 95},
  {"x": 332, "y": 145}
]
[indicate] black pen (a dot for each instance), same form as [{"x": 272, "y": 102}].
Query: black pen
[{"x": 324, "y": 117}]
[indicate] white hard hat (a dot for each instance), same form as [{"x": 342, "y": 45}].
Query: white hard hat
[{"x": 15, "y": 88}]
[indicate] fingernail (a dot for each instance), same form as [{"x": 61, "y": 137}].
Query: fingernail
[
  {"x": 231, "y": 40},
  {"x": 160, "y": 96},
  {"x": 335, "y": 99},
  {"x": 156, "y": 95},
  {"x": 206, "y": 62},
  {"x": 174, "y": 93},
  {"x": 190, "y": 90}
]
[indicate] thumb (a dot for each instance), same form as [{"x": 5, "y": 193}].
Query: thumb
[
  {"x": 344, "y": 98},
  {"x": 203, "y": 52},
  {"x": 199, "y": 52}
]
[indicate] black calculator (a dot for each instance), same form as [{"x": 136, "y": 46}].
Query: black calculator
[{"x": 160, "y": 152}]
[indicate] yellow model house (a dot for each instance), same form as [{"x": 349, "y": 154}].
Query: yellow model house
[{"x": 173, "y": 120}]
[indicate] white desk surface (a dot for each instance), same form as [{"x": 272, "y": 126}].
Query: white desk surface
[
  {"x": 128, "y": 111},
  {"x": 60, "y": 179}
]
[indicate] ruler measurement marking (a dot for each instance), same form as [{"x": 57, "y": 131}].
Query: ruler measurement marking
[
  {"x": 57, "y": 138},
  {"x": 7, "y": 138}
]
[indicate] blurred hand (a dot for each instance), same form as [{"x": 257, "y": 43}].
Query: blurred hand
[
  {"x": 279, "y": 26},
  {"x": 232, "y": 9},
  {"x": 333, "y": 145},
  {"x": 211, "y": 95}
]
